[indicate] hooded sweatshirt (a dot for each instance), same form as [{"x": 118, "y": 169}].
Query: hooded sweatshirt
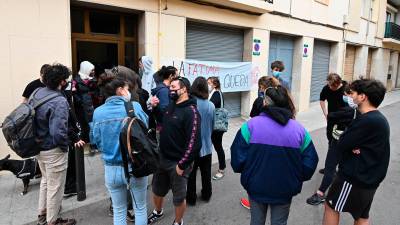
[
  {"x": 147, "y": 76},
  {"x": 275, "y": 155},
  {"x": 180, "y": 137},
  {"x": 162, "y": 93},
  {"x": 85, "y": 70}
]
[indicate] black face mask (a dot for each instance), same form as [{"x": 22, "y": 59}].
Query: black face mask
[
  {"x": 173, "y": 95},
  {"x": 63, "y": 87}
]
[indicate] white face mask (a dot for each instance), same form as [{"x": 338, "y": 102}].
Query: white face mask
[
  {"x": 127, "y": 98},
  {"x": 349, "y": 101},
  {"x": 210, "y": 88}
]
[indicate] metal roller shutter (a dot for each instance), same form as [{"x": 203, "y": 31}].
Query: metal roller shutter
[
  {"x": 216, "y": 43},
  {"x": 349, "y": 63},
  {"x": 281, "y": 48},
  {"x": 320, "y": 68}
]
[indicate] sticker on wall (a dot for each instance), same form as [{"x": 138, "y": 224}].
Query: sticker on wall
[
  {"x": 305, "y": 50},
  {"x": 256, "y": 47}
]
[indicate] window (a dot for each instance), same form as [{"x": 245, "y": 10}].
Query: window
[
  {"x": 104, "y": 23},
  {"x": 366, "y": 7},
  {"x": 388, "y": 17}
]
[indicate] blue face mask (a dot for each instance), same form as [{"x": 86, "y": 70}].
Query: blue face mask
[
  {"x": 276, "y": 74},
  {"x": 349, "y": 101}
]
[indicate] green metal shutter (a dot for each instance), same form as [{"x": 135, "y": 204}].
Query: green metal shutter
[
  {"x": 216, "y": 43},
  {"x": 320, "y": 68}
]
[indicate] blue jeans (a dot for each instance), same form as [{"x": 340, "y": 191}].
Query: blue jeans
[
  {"x": 116, "y": 185},
  {"x": 258, "y": 211}
]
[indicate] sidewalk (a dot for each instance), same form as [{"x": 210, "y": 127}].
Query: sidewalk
[{"x": 16, "y": 209}]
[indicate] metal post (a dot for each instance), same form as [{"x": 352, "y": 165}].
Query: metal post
[{"x": 80, "y": 174}]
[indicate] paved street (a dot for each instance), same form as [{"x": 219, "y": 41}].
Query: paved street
[{"x": 225, "y": 209}]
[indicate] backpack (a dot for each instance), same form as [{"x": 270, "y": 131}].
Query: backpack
[
  {"x": 221, "y": 117},
  {"x": 138, "y": 146},
  {"x": 19, "y": 127}
]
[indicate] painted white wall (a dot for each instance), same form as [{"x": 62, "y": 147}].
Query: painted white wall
[
  {"x": 248, "y": 97},
  {"x": 32, "y": 34},
  {"x": 301, "y": 73},
  {"x": 360, "y": 65}
]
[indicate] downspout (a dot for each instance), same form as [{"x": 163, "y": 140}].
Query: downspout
[
  {"x": 158, "y": 34},
  {"x": 345, "y": 38}
]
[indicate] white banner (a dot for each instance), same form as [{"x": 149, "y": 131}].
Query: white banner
[{"x": 234, "y": 76}]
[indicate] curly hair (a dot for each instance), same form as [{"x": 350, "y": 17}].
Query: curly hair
[{"x": 54, "y": 75}]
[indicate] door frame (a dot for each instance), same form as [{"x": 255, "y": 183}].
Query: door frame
[{"x": 119, "y": 39}]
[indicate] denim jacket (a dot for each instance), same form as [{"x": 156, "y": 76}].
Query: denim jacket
[{"x": 108, "y": 120}]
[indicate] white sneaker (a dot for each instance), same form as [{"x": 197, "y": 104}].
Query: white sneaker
[{"x": 219, "y": 175}]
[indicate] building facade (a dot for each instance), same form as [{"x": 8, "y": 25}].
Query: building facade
[{"x": 312, "y": 37}]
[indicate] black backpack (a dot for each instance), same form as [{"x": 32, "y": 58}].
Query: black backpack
[
  {"x": 19, "y": 127},
  {"x": 138, "y": 146}
]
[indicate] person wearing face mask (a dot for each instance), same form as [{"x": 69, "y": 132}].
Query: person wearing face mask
[
  {"x": 52, "y": 120},
  {"x": 161, "y": 98},
  {"x": 83, "y": 102},
  {"x": 340, "y": 119},
  {"x": 217, "y": 99},
  {"x": 180, "y": 144},
  {"x": 274, "y": 154},
  {"x": 106, "y": 136},
  {"x": 263, "y": 83},
  {"x": 277, "y": 68},
  {"x": 146, "y": 73},
  {"x": 364, "y": 155}
]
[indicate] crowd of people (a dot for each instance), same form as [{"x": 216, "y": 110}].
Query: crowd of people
[{"x": 272, "y": 151}]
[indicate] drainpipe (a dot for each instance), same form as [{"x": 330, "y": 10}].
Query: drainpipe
[
  {"x": 345, "y": 38},
  {"x": 158, "y": 34}
]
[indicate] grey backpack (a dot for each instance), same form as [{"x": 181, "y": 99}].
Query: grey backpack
[
  {"x": 19, "y": 127},
  {"x": 221, "y": 117}
]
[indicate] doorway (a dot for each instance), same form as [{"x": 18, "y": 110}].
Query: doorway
[{"x": 104, "y": 38}]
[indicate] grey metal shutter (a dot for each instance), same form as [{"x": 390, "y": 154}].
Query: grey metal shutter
[
  {"x": 216, "y": 43},
  {"x": 281, "y": 48},
  {"x": 320, "y": 68}
]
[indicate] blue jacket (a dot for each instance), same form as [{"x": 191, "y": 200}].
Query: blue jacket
[
  {"x": 108, "y": 120},
  {"x": 52, "y": 121},
  {"x": 274, "y": 159},
  {"x": 206, "y": 110}
]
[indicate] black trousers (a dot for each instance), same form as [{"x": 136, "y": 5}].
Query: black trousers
[
  {"x": 70, "y": 183},
  {"x": 216, "y": 138},
  {"x": 331, "y": 162},
  {"x": 204, "y": 163}
]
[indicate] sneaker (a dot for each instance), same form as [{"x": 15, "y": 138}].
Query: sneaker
[
  {"x": 245, "y": 203},
  {"x": 154, "y": 216},
  {"x": 321, "y": 171},
  {"x": 61, "y": 221},
  {"x": 175, "y": 223},
  {"x": 70, "y": 193},
  {"x": 315, "y": 199},
  {"x": 130, "y": 217},
  {"x": 111, "y": 211},
  {"x": 219, "y": 175},
  {"x": 42, "y": 220}
]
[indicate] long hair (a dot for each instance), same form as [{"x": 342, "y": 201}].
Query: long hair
[{"x": 279, "y": 97}]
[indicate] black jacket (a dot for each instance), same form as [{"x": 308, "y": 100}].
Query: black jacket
[
  {"x": 257, "y": 107},
  {"x": 370, "y": 134},
  {"x": 343, "y": 117},
  {"x": 180, "y": 137},
  {"x": 83, "y": 100}
]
